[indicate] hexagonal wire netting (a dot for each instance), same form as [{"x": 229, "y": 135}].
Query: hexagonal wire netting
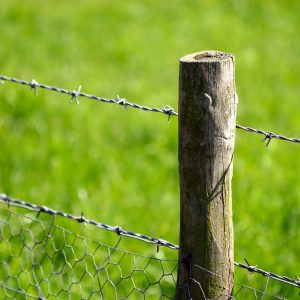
[
  {"x": 40, "y": 259},
  {"x": 46, "y": 254}
]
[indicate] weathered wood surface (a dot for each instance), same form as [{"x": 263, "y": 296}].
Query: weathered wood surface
[{"x": 207, "y": 116}]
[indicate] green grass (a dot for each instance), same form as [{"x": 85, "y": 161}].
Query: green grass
[{"x": 120, "y": 167}]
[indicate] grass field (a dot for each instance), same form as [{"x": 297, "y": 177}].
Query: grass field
[{"x": 120, "y": 167}]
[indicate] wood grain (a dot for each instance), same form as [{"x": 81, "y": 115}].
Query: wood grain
[{"x": 207, "y": 116}]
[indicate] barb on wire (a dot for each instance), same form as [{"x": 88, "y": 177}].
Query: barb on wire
[
  {"x": 255, "y": 269},
  {"x": 167, "y": 110},
  {"x": 122, "y": 101},
  {"x": 268, "y": 135},
  {"x": 117, "y": 229},
  {"x": 75, "y": 95},
  {"x": 34, "y": 86}
]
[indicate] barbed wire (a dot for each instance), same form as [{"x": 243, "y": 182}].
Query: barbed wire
[
  {"x": 121, "y": 232},
  {"x": 166, "y": 109},
  {"x": 268, "y": 135},
  {"x": 81, "y": 219},
  {"x": 255, "y": 269}
]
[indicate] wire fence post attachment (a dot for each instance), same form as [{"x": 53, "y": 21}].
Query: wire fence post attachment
[{"x": 207, "y": 120}]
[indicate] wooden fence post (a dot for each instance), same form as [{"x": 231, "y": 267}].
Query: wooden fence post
[{"x": 207, "y": 113}]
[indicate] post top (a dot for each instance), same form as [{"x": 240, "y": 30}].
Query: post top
[{"x": 207, "y": 56}]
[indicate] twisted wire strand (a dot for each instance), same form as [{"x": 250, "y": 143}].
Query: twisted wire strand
[
  {"x": 81, "y": 219},
  {"x": 118, "y": 230},
  {"x": 167, "y": 110},
  {"x": 284, "y": 279},
  {"x": 268, "y": 135}
]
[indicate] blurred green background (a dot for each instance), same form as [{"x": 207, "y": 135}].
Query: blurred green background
[{"x": 120, "y": 167}]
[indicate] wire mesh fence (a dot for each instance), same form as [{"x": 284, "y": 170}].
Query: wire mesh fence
[
  {"x": 44, "y": 256},
  {"x": 40, "y": 259}
]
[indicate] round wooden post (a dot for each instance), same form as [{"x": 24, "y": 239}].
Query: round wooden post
[{"x": 207, "y": 114}]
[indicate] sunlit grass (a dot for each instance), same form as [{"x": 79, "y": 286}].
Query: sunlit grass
[{"x": 120, "y": 167}]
